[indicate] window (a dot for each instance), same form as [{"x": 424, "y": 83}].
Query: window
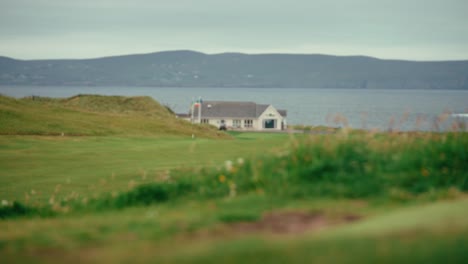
[
  {"x": 269, "y": 123},
  {"x": 236, "y": 123},
  {"x": 205, "y": 121},
  {"x": 248, "y": 123}
]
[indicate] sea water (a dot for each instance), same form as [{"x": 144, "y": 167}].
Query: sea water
[{"x": 382, "y": 109}]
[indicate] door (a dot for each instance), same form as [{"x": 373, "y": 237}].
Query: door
[{"x": 269, "y": 123}]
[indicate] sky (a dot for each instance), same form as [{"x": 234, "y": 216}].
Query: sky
[{"x": 387, "y": 29}]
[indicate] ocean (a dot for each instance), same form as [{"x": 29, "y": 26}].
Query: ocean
[{"x": 383, "y": 109}]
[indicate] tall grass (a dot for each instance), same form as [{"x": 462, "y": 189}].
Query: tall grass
[{"x": 353, "y": 166}]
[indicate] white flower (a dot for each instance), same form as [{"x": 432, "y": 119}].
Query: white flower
[
  {"x": 4, "y": 203},
  {"x": 240, "y": 161},
  {"x": 228, "y": 165}
]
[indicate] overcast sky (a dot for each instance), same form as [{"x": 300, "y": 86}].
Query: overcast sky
[{"x": 401, "y": 29}]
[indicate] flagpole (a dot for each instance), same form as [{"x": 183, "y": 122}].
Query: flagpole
[{"x": 199, "y": 109}]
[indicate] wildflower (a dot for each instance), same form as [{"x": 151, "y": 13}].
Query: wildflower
[
  {"x": 240, "y": 161},
  {"x": 4, "y": 203},
  {"x": 222, "y": 178},
  {"x": 228, "y": 165}
]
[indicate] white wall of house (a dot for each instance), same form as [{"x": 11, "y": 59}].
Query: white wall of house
[
  {"x": 270, "y": 119},
  {"x": 235, "y": 123}
]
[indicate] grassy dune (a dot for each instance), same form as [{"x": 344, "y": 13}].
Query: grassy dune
[
  {"x": 348, "y": 197},
  {"x": 87, "y": 115}
]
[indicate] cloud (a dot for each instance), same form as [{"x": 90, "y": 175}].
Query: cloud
[{"x": 129, "y": 26}]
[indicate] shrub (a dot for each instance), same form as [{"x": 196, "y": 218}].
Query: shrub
[{"x": 17, "y": 209}]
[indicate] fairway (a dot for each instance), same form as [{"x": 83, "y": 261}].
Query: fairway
[{"x": 41, "y": 167}]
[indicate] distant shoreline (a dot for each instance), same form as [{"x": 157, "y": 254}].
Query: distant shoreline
[{"x": 194, "y": 69}]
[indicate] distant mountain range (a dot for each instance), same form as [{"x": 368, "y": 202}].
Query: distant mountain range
[{"x": 195, "y": 69}]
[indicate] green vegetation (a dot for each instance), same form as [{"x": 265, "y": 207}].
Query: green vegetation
[
  {"x": 85, "y": 115},
  {"x": 36, "y": 169},
  {"x": 314, "y": 129},
  {"x": 346, "y": 197},
  {"x": 353, "y": 166}
]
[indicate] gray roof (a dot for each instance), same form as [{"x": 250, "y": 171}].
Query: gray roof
[
  {"x": 225, "y": 109},
  {"x": 282, "y": 112}
]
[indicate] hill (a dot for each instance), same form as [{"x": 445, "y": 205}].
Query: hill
[
  {"x": 194, "y": 69},
  {"x": 94, "y": 115}
]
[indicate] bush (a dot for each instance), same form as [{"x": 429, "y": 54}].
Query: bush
[
  {"x": 142, "y": 195},
  {"x": 17, "y": 209}
]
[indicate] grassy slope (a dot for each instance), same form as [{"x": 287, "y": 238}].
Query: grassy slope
[{"x": 94, "y": 115}]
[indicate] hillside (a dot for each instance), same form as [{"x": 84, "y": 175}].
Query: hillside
[
  {"x": 194, "y": 69},
  {"x": 93, "y": 115}
]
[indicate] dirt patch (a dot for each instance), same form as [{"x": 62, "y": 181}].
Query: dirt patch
[
  {"x": 295, "y": 222},
  {"x": 282, "y": 223}
]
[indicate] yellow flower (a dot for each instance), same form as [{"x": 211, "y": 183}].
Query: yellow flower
[{"x": 222, "y": 178}]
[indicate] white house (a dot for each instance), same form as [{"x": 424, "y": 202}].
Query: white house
[{"x": 237, "y": 115}]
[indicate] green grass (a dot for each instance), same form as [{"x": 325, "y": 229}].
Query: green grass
[
  {"x": 355, "y": 167},
  {"x": 417, "y": 234},
  {"x": 94, "y": 115},
  {"x": 171, "y": 233},
  {"x": 138, "y": 195},
  {"x": 38, "y": 168}
]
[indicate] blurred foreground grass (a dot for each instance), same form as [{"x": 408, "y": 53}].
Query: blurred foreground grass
[{"x": 361, "y": 197}]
